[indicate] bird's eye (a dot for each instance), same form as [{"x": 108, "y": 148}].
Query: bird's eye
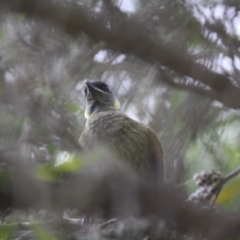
[{"x": 106, "y": 89}]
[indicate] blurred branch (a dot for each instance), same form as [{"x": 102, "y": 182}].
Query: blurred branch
[
  {"x": 129, "y": 37},
  {"x": 223, "y": 181},
  {"x": 29, "y": 225},
  {"x": 93, "y": 191},
  {"x": 190, "y": 87},
  {"x": 218, "y": 27}
]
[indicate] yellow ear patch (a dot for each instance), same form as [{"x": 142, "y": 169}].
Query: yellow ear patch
[
  {"x": 116, "y": 104},
  {"x": 86, "y": 114}
]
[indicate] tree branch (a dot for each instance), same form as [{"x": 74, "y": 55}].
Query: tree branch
[
  {"x": 128, "y": 36},
  {"x": 198, "y": 90},
  {"x": 226, "y": 179},
  {"x": 113, "y": 193}
]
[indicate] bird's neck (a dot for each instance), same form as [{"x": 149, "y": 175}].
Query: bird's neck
[{"x": 96, "y": 107}]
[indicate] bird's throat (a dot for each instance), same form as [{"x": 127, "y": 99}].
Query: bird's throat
[{"x": 96, "y": 107}]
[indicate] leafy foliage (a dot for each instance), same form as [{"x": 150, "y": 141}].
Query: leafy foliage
[{"x": 174, "y": 65}]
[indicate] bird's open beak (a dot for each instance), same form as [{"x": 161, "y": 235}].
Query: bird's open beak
[
  {"x": 93, "y": 92},
  {"x": 89, "y": 84},
  {"x": 90, "y": 90}
]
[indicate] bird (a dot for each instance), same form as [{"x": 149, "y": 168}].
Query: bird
[{"x": 127, "y": 140}]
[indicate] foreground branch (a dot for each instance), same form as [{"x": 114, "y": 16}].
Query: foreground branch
[{"x": 114, "y": 191}]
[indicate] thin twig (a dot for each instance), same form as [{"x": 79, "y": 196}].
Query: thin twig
[
  {"x": 102, "y": 225},
  {"x": 29, "y": 225},
  {"x": 188, "y": 87},
  {"x": 183, "y": 184}
]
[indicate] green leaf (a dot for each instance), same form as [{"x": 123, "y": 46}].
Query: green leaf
[
  {"x": 43, "y": 234},
  {"x": 70, "y": 163},
  {"x": 6, "y": 231},
  {"x": 229, "y": 192},
  {"x": 67, "y": 163},
  {"x": 47, "y": 173},
  {"x": 72, "y": 107}
]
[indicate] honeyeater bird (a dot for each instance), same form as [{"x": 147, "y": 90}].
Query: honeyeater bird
[{"x": 125, "y": 138}]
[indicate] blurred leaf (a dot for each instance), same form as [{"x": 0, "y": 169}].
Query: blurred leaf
[
  {"x": 47, "y": 173},
  {"x": 43, "y": 234},
  {"x": 232, "y": 190},
  {"x": 72, "y": 107},
  {"x": 72, "y": 162},
  {"x": 194, "y": 38},
  {"x": 51, "y": 149},
  {"x": 66, "y": 163},
  {"x": 6, "y": 231}
]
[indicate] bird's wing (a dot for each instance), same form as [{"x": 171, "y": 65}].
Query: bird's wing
[
  {"x": 86, "y": 140},
  {"x": 154, "y": 151},
  {"x": 156, "y": 156},
  {"x": 126, "y": 130}
]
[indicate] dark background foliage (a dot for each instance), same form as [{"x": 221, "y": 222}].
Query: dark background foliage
[{"x": 174, "y": 65}]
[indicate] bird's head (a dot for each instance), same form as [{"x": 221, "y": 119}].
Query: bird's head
[{"x": 99, "y": 98}]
